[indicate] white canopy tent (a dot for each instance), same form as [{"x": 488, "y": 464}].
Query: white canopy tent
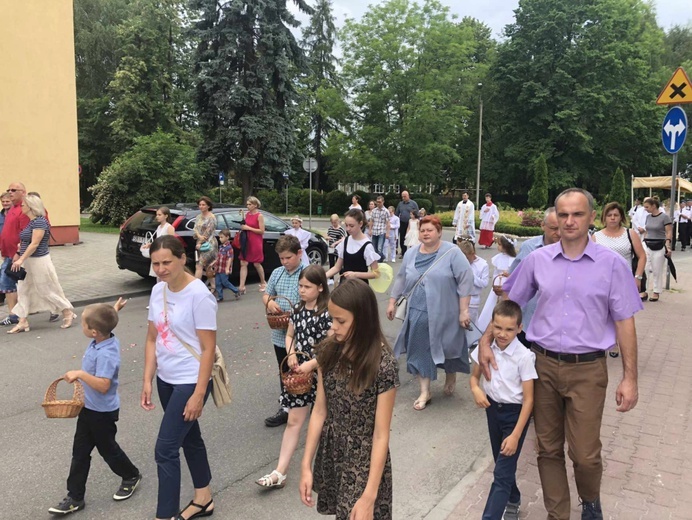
[{"x": 681, "y": 185}]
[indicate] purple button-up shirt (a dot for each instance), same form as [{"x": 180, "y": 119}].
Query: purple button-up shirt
[{"x": 578, "y": 301}]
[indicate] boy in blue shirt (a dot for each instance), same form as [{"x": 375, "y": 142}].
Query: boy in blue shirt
[
  {"x": 508, "y": 402},
  {"x": 96, "y": 423}
]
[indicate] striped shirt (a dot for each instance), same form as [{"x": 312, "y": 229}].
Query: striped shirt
[
  {"x": 335, "y": 234},
  {"x": 25, "y": 236}
]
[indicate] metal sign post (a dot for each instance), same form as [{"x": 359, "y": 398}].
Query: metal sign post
[
  {"x": 310, "y": 166},
  {"x": 286, "y": 189},
  {"x": 673, "y": 135},
  {"x": 222, "y": 181}
]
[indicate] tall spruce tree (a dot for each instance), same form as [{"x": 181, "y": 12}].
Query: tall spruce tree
[
  {"x": 538, "y": 194},
  {"x": 325, "y": 93},
  {"x": 246, "y": 62},
  {"x": 618, "y": 190}
]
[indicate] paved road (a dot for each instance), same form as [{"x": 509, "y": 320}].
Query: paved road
[{"x": 431, "y": 450}]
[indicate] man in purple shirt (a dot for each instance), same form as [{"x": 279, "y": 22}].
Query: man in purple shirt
[{"x": 586, "y": 301}]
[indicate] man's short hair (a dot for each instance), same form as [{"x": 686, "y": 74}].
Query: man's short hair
[
  {"x": 287, "y": 243},
  {"x": 586, "y": 194},
  {"x": 101, "y": 317},
  {"x": 508, "y": 309},
  {"x": 547, "y": 213},
  {"x": 380, "y": 197}
]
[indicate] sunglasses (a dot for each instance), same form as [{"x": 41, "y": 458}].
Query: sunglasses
[{"x": 12, "y": 190}]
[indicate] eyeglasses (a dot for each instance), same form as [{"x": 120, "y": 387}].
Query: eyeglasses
[{"x": 12, "y": 190}]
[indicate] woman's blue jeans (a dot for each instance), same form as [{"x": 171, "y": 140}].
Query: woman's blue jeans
[{"x": 175, "y": 433}]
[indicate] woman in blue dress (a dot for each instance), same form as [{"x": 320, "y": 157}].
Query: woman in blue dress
[{"x": 432, "y": 335}]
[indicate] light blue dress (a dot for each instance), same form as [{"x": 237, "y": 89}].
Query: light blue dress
[{"x": 431, "y": 335}]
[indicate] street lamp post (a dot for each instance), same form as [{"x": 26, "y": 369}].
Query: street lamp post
[{"x": 480, "y": 141}]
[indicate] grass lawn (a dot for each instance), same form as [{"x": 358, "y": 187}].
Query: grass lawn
[{"x": 87, "y": 226}]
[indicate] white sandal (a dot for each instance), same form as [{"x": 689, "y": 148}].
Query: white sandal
[{"x": 267, "y": 481}]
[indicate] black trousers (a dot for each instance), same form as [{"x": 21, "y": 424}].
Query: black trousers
[
  {"x": 683, "y": 234},
  {"x": 96, "y": 430},
  {"x": 402, "y": 236}
]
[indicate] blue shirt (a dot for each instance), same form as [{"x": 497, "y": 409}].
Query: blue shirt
[
  {"x": 102, "y": 360},
  {"x": 529, "y": 246}
]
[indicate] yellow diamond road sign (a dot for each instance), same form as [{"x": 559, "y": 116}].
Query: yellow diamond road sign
[{"x": 677, "y": 91}]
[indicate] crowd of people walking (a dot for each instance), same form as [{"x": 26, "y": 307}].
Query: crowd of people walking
[{"x": 535, "y": 357}]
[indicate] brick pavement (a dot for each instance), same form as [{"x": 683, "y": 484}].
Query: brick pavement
[
  {"x": 88, "y": 272},
  {"x": 647, "y": 454}
]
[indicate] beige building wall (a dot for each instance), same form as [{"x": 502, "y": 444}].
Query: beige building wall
[{"x": 38, "y": 107}]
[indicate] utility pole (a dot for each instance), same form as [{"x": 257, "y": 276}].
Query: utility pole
[{"x": 480, "y": 141}]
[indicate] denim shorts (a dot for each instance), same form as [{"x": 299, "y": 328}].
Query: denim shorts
[{"x": 7, "y": 284}]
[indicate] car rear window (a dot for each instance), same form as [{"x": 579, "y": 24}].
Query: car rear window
[{"x": 142, "y": 220}]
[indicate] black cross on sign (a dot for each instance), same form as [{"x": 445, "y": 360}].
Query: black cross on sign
[{"x": 678, "y": 91}]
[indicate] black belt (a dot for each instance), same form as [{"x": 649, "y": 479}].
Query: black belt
[{"x": 569, "y": 358}]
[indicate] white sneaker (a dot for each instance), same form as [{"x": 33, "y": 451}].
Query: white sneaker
[
  {"x": 394, "y": 260},
  {"x": 330, "y": 282}
]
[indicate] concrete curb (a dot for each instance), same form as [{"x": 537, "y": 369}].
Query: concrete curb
[
  {"x": 451, "y": 500},
  {"x": 109, "y": 299}
]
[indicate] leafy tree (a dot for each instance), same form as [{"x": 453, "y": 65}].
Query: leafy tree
[
  {"x": 97, "y": 54},
  {"x": 574, "y": 80},
  {"x": 538, "y": 194},
  {"x": 412, "y": 71},
  {"x": 143, "y": 90},
  {"x": 158, "y": 168},
  {"x": 618, "y": 190},
  {"x": 246, "y": 60},
  {"x": 324, "y": 94}
]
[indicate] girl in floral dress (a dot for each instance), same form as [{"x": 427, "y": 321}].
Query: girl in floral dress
[
  {"x": 309, "y": 325},
  {"x": 349, "y": 427}
]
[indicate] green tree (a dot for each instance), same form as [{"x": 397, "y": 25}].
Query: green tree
[
  {"x": 618, "y": 190},
  {"x": 412, "y": 71},
  {"x": 575, "y": 80},
  {"x": 143, "y": 91},
  {"x": 246, "y": 60},
  {"x": 158, "y": 168},
  {"x": 97, "y": 54},
  {"x": 538, "y": 194},
  {"x": 323, "y": 94}
]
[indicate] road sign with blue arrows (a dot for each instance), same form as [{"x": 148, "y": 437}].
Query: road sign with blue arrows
[{"x": 674, "y": 130}]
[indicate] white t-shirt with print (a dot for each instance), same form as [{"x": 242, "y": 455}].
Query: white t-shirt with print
[
  {"x": 371, "y": 256},
  {"x": 189, "y": 310}
]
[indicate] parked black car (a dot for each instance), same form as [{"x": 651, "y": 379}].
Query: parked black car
[{"x": 135, "y": 231}]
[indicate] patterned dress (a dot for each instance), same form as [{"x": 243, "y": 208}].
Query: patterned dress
[
  {"x": 309, "y": 329},
  {"x": 342, "y": 465},
  {"x": 205, "y": 230}
]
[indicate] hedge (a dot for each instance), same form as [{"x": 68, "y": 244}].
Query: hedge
[{"x": 500, "y": 227}]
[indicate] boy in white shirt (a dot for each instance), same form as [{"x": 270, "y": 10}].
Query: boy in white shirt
[
  {"x": 508, "y": 402},
  {"x": 481, "y": 275}
]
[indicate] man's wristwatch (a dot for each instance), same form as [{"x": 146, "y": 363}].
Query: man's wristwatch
[{"x": 639, "y": 277}]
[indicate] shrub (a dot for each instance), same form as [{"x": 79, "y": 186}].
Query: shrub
[
  {"x": 531, "y": 218},
  {"x": 157, "y": 169},
  {"x": 501, "y": 227},
  {"x": 336, "y": 202},
  {"x": 425, "y": 203},
  {"x": 272, "y": 200}
]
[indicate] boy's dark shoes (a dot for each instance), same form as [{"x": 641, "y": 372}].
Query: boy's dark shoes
[
  {"x": 127, "y": 488},
  {"x": 12, "y": 319},
  {"x": 591, "y": 510},
  {"x": 67, "y": 506},
  {"x": 511, "y": 512},
  {"x": 279, "y": 418}
]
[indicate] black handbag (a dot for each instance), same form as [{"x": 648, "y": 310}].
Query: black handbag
[{"x": 15, "y": 275}]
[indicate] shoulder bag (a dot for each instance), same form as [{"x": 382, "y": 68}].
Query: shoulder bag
[
  {"x": 221, "y": 382},
  {"x": 402, "y": 301}
]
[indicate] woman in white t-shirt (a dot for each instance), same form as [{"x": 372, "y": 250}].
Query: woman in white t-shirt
[
  {"x": 303, "y": 237},
  {"x": 182, "y": 317},
  {"x": 355, "y": 203},
  {"x": 357, "y": 256},
  {"x": 163, "y": 215}
]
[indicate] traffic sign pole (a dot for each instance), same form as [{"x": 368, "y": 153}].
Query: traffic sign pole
[{"x": 310, "y": 166}]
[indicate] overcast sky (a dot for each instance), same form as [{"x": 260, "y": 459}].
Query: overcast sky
[{"x": 498, "y": 13}]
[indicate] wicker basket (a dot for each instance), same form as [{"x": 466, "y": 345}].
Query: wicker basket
[
  {"x": 63, "y": 409},
  {"x": 279, "y": 320},
  {"x": 498, "y": 280},
  {"x": 296, "y": 383}
]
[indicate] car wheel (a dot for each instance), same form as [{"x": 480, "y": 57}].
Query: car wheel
[{"x": 315, "y": 256}]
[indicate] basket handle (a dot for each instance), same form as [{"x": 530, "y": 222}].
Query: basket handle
[
  {"x": 285, "y": 360},
  {"x": 266, "y": 305},
  {"x": 77, "y": 394}
]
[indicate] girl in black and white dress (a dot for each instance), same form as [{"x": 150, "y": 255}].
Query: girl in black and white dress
[{"x": 309, "y": 325}]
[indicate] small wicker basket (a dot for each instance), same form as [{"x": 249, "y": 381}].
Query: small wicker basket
[
  {"x": 63, "y": 409},
  {"x": 498, "y": 281},
  {"x": 296, "y": 383},
  {"x": 279, "y": 320}
]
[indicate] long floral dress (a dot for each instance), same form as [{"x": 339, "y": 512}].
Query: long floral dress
[
  {"x": 342, "y": 464},
  {"x": 205, "y": 230},
  {"x": 309, "y": 328}
]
